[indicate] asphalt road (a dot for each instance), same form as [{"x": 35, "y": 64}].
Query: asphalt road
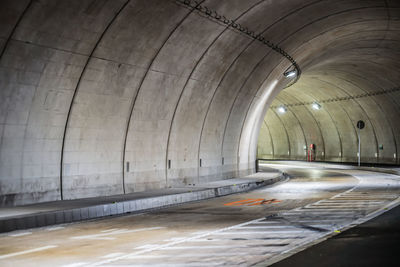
[
  {"x": 254, "y": 228},
  {"x": 373, "y": 243}
]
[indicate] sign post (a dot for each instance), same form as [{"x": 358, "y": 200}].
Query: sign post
[{"x": 360, "y": 126}]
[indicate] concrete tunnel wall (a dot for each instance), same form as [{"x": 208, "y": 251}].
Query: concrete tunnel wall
[{"x": 110, "y": 97}]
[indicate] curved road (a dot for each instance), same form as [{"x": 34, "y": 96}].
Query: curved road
[{"x": 248, "y": 229}]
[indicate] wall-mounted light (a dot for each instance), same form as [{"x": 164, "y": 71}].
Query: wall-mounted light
[
  {"x": 316, "y": 106},
  {"x": 290, "y": 73},
  {"x": 282, "y": 109}
]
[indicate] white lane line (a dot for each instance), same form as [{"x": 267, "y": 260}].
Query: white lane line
[
  {"x": 353, "y": 203},
  {"x": 270, "y": 227},
  {"x": 263, "y": 232},
  {"x": 199, "y": 256},
  {"x": 76, "y": 264},
  {"x": 247, "y": 240},
  {"x": 25, "y": 252},
  {"x": 21, "y": 234},
  {"x": 55, "y": 228},
  {"x": 225, "y": 247},
  {"x": 148, "y": 246},
  {"x": 109, "y": 230},
  {"x": 333, "y": 208},
  {"x": 105, "y": 236},
  {"x": 173, "y": 239},
  {"x": 309, "y": 211},
  {"x": 111, "y": 255},
  {"x": 267, "y": 222},
  {"x": 345, "y": 202},
  {"x": 196, "y": 264}
]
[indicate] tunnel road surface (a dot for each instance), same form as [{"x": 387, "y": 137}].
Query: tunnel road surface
[{"x": 256, "y": 228}]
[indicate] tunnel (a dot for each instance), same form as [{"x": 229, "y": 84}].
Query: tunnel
[{"x": 105, "y": 99}]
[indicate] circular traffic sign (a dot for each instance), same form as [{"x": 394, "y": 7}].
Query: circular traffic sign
[{"x": 360, "y": 124}]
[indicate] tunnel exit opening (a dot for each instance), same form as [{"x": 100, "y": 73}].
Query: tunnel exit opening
[{"x": 332, "y": 133}]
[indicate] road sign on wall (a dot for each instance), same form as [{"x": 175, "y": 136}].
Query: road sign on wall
[{"x": 360, "y": 124}]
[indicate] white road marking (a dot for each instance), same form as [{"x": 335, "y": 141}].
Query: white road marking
[
  {"x": 222, "y": 247},
  {"x": 317, "y": 214},
  {"x": 172, "y": 239},
  {"x": 26, "y": 252},
  {"x": 206, "y": 256},
  {"x": 109, "y": 230},
  {"x": 55, "y": 228},
  {"x": 21, "y": 234},
  {"x": 105, "y": 236},
  {"x": 111, "y": 255},
  {"x": 263, "y": 232},
  {"x": 269, "y": 227},
  {"x": 76, "y": 264},
  {"x": 334, "y": 210},
  {"x": 148, "y": 246},
  {"x": 140, "y": 252}
]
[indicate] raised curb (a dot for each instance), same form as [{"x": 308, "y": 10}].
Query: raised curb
[
  {"x": 130, "y": 206},
  {"x": 332, "y": 165},
  {"x": 375, "y": 169}
]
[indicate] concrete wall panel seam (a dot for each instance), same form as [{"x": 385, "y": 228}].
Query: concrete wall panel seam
[
  {"x": 271, "y": 139},
  {"x": 385, "y": 118},
  {"x": 77, "y": 88},
  {"x": 140, "y": 86},
  {"x": 390, "y": 99},
  {"x": 366, "y": 115},
  {"x": 318, "y": 126},
  {"x": 337, "y": 131},
  {"x": 15, "y": 27},
  {"x": 222, "y": 79},
  {"x": 286, "y": 131}
]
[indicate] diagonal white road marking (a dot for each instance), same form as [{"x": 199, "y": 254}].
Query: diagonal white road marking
[
  {"x": 25, "y": 252},
  {"x": 21, "y": 234},
  {"x": 106, "y": 235}
]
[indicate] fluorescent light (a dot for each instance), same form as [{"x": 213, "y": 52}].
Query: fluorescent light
[
  {"x": 316, "y": 106},
  {"x": 289, "y": 74},
  {"x": 282, "y": 109}
]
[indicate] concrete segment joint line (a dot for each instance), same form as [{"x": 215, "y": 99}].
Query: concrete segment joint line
[{"x": 77, "y": 88}]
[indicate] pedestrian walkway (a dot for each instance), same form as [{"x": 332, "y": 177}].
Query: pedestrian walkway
[{"x": 67, "y": 211}]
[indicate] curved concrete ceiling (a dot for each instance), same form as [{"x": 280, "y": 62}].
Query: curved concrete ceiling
[{"x": 110, "y": 97}]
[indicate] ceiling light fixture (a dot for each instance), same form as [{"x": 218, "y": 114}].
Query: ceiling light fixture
[
  {"x": 282, "y": 109},
  {"x": 316, "y": 106}
]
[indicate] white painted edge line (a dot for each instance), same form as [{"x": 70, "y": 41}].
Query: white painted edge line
[
  {"x": 26, "y": 252},
  {"x": 115, "y": 231},
  {"x": 111, "y": 255},
  {"x": 21, "y": 234},
  {"x": 55, "y": 228},
  {"x": 109, "y": 230},
  {"x": 76, "y": 264}
]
